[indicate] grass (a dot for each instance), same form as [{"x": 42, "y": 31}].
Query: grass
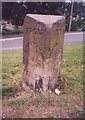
[
  {"x": 21, "y": 104},
  {"x": 73, "y": 67},
  {"x": 11, "y": 71}
]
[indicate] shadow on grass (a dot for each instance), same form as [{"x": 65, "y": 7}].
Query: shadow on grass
[{"x": 9, "y": 91}]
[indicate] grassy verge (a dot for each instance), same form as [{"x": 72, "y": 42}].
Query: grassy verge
[
  {"x": 17, "y": 103},
  {"x": 16, "y": 31}
]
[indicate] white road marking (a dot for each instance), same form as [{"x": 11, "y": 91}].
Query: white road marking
[
  {"x": 17, "y": 38},
  {"x": 14, "y": 48},
  {"x": 76, "y": 33},
  {"x": 8, "y": 39}
]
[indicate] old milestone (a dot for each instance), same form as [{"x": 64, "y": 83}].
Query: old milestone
[{"x": 42, "y": 50}]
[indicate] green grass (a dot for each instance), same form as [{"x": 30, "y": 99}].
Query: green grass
[
  {"x": 11, "y": 71},
  {"x": 69, "y": 103},
  {"x": 72, "y": 68}
]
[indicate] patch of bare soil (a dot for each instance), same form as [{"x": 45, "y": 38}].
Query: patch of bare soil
[{"x": 25, "y": 105}]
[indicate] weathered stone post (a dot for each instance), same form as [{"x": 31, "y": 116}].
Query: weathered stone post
[{"x": 42, "y": 50}]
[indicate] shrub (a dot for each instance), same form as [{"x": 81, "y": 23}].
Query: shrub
[{"x": 16, "y": 31}]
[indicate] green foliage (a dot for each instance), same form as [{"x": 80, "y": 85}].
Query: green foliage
[
  {"x": 16, "y": 31},
  {"x": 77, "y": 25},
  {"x": 17, "y": 11}
]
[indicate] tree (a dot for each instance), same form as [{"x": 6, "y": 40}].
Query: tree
[{"x": 17, "y": 11}]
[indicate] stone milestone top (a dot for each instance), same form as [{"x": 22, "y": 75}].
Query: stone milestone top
[{"x": 47, "y": 19}]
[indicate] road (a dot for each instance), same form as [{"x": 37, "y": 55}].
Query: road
[{"x": 17, "y": 43}]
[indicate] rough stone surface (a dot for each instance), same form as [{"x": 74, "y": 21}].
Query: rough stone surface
[{"x": 42, "y": 49}]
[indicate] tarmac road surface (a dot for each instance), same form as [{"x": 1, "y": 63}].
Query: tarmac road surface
[{"x": 16, "y": 42}]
